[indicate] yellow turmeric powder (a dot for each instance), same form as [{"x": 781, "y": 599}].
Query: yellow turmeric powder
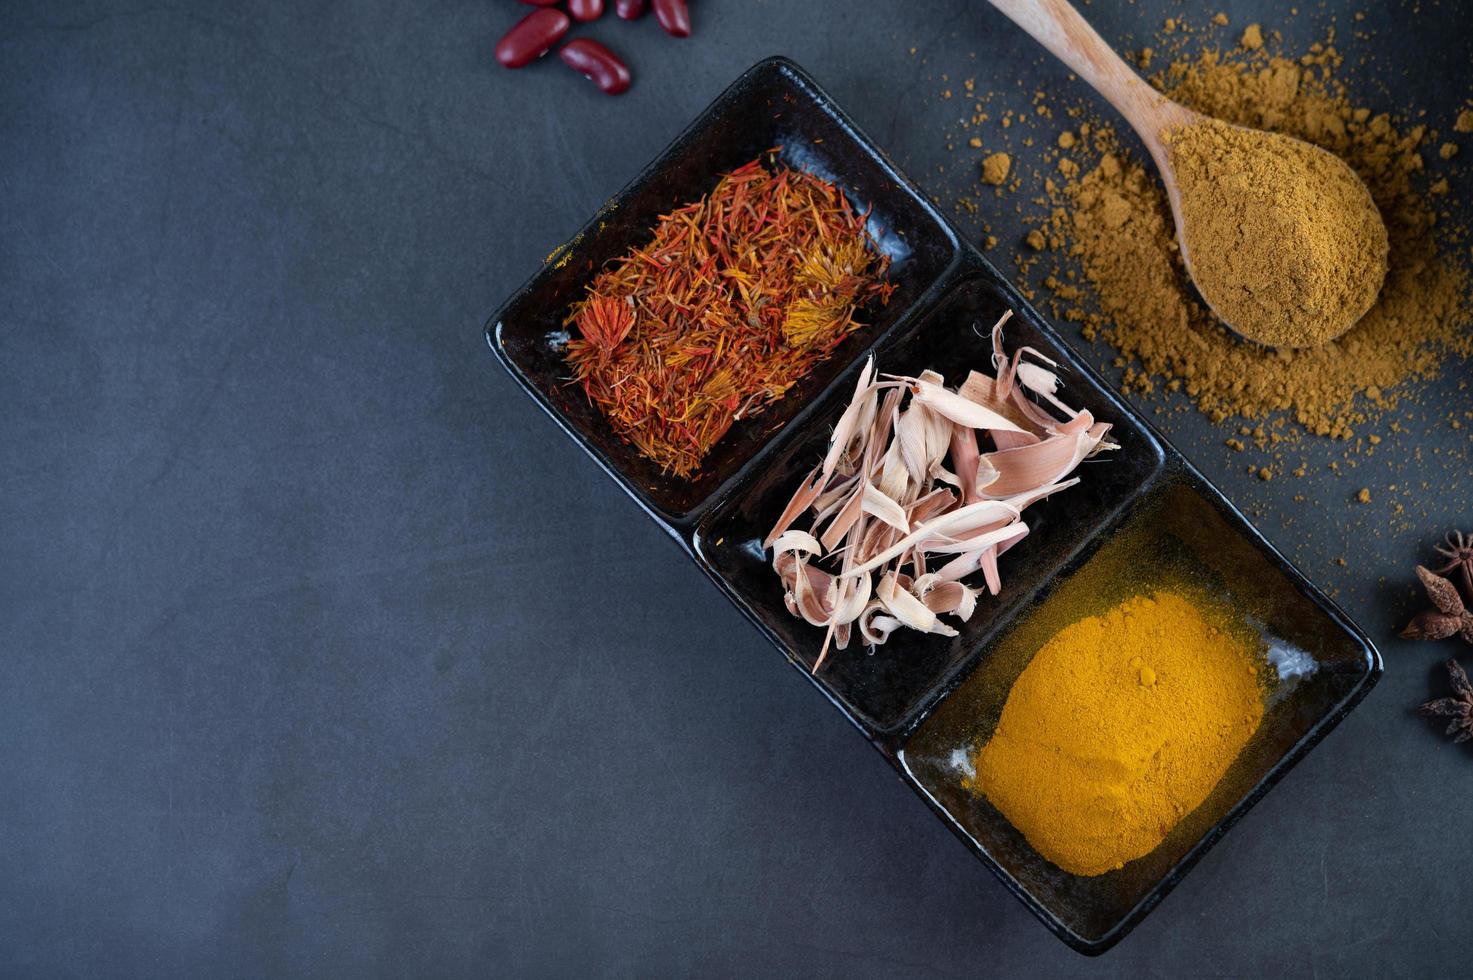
[{"x": 1119, "y": 727}]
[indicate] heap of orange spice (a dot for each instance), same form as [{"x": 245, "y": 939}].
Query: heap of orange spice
[{"x": 735, "y": 299}]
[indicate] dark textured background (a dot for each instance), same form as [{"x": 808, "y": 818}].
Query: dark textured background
[{"x": 321, "y": 652}]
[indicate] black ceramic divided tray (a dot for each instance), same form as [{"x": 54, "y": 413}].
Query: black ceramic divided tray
[{"x": 926, "y": 701}]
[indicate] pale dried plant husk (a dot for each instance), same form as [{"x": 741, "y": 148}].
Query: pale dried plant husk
[{"x": 922, "y": 488}]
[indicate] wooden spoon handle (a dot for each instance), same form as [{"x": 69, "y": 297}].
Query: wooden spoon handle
[{"x": 1057, "y": 26}]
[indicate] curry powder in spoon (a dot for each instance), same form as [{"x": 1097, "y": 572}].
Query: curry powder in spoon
[{"x": 1282, "y": 238}]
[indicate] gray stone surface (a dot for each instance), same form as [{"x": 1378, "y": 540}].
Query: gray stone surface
[{"x": 323, "y": 653}]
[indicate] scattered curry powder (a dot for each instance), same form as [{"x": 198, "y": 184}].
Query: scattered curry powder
[
  {"x": 1284, "y": 240},
  {"x": 1120, "y": 726},
  {"x": 995, "y": 168},
  {"x": 1114, "y": 222}
]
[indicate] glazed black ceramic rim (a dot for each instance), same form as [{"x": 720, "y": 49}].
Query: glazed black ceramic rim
[
  {"x": 681, "y": 521},
  {"x": 685, "y": 528},
  {"x": 1178, "y": 470}
]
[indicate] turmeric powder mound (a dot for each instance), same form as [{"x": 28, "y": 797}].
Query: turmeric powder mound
[
  {"x": 1283, "y": 240},
  {"x": 1119, "y": 727}
]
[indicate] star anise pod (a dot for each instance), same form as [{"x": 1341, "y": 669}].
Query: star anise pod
[
  {"x": 1448, "y": 615},
  {"x": 1459, "y": 707},
  {"x": 1459, "y": 552}
]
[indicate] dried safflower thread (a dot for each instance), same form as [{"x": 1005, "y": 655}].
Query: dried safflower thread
[{"x": 737, "y": 297}]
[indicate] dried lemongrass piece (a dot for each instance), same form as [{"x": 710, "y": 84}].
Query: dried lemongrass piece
[
  {"x": 797, "y": 541},
  {"x": 910, "y": 438},
  {"x": 962, "y": 411},
  {"x": 882, "y": 426},
  {"x": 890, "y": 473},
  {"x": 987, "y": 475},
  {"x": 852, "y": 605},
  {"x": 1041, "y": 464},
  {"x": 1043, "y": 382},
  {"x": 885, "y": 508},
  {"x": 815, "y": 599},
  {"x": 833, "y": 497},
  {"x": 874, "y": 626},
  {"x": 806, "y": 494},
  {"x": 967, "y": 458},
  {"x": 984, "y": 558},
  {"x": 933, "y": 540},
  {"x": 938, "y": 501},
  {"x": 904, "y": 606},
  {"x": 986, "y": 392},
  {"x": 951, "y": 597},
  {"x": 845, "y": 519},
  {"x": 848, "y": 423},
  {"x": 876, "y": 504}
]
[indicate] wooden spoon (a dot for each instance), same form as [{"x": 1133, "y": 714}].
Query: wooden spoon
[{"x": 1058, "y": 27}]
